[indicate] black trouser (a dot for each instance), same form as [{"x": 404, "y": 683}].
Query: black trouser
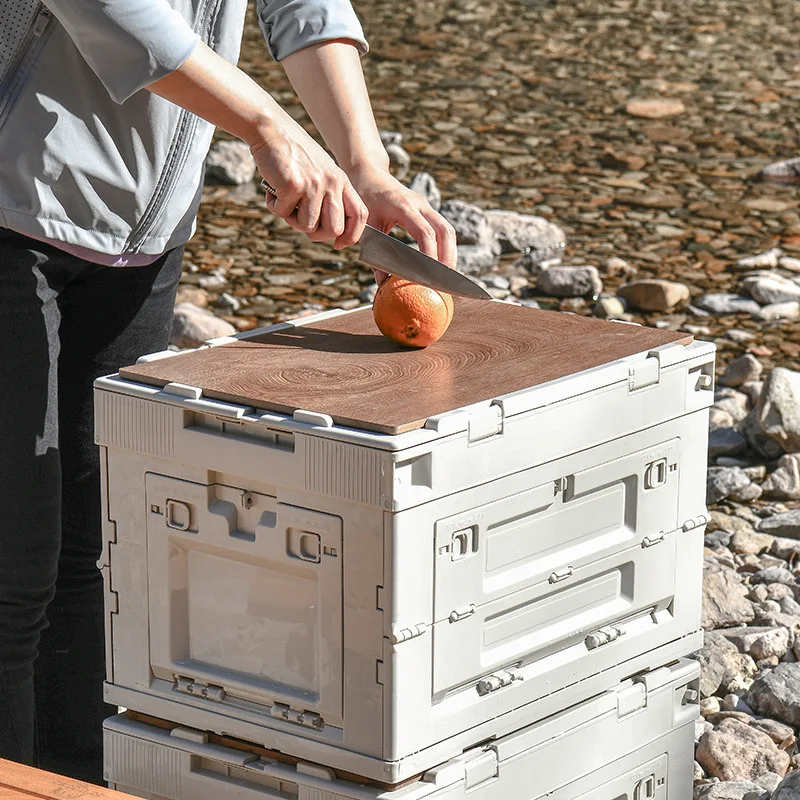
[{"x": 63, "y": 322}]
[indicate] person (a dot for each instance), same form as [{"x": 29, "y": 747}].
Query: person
[{"x": 107, "y": 110}]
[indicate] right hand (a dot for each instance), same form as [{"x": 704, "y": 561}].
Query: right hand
[{"x": 314, "y": 196}]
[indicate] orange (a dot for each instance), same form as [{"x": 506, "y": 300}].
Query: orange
[{"x": 410, "y": 314}]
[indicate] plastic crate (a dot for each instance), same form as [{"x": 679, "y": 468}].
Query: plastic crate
[
  {"x": 634, "y": 742},
  {"x": 379, "y": 603}
]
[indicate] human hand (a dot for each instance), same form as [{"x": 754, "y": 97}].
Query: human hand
[
  {"x": 390, "y": 203},
  {"x": 312, "y": 194}
]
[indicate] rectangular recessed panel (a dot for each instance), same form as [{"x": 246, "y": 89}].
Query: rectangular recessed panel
[{"x": 253, "y": 619}]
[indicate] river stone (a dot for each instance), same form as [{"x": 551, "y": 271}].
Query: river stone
[
  {"x": 399, "y": 159},
  {"x": 525, "y": 233},
  {"x": 769, "y": 781},
  {"x": 785, "y": 549},
  {"x": 787, "y": 171},
  {"x": 786, "y": 311},
  {"x": 191, "y": 326},
  {"x": 425, "y": 184},
  {"x": 776, "y": 694},
  {"x": 727, "y": 790},
  {"x": 784, "y": 482},
  {"x": 770, "y": 290},
  {"x": 725, "y": 442},
  {"x": 743, "y": 369},
  {"x": 736, "y": 751},
  {"x": 723, "y": 303},
  {"x": 785, "y": 524},
  {"x": 766, "y": 260},
  {"x": 721, "y": 664},
  {"x": 722, "y": 482},
  {"x": 725, "y": 602},
  {"x": 230, "y": 164},
  {"x": 763, "y": 444},
  {"x": 570, "y": 281},
  {"x": 655, "y": 108},
  {"x": 473, "y": 258},
  {"x": 609, "y": 308},
  {"x": 745, "y": 542},
  {"x": 789, "y": 787},
  {"x": 781, "y": 734},
  {"x": 760, "y": 643},
  {"x": 470, "y": 223},
  {"x": 735, "y": 405},
  {"x": 773, "y": 575},
  {"x": 654, "y": 294},
  {"x": 778, "y": 408}
]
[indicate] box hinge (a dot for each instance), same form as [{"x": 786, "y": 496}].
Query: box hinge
[
  {"x": 603, "y": 636},
  {"x": 207, "y": 691},
  {"x": 480, "y": 769},
  {"x": 631, "y": 699},
  {"x": 485, "y": 423},
  {"x": 645, "y": 373},
  {"x": 696, "y": 522},
  {"x": 497, "y": 680},
  {"x": 308, "y": 719},
  {"x": 462, "y": 613},
  {"x": 404, "y": 634}
]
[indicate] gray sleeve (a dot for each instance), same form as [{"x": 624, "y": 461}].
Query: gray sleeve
[
  {"x": 127, "y": 43},
  {"x": 291, "y": 25}
]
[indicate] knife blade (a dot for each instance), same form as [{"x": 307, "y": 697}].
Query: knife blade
[{"x": 386, "y": 253}]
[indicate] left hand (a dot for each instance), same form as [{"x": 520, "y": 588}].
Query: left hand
[{"x": 390, "y": 203}]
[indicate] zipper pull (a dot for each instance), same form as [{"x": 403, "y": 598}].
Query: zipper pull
[{"x": 41, "y": 21}]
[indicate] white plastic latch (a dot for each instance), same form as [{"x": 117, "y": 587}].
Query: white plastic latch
[
  {"x": 480, "y": 769},
  {"x": 631, "y": 699},
  {"x": 207, "y": 691},
  {"x": 485, "y": 423},
  {"x": 308, "y": 719},
  {"x": 645, "y": 373},
  {"x": 649, "y": 541},
  {"x": 560, "y": 575},
  {"x": 313, "y": 418},
  {"x": 497, "y": 680},
  {"x": 462, "y": 613}
]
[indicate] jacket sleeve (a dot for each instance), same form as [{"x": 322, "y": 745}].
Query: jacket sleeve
[
  {"x": 127, "y": 43},
  {"x": 291, "y": 25}
]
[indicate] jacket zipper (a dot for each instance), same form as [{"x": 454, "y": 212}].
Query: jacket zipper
[
  {"x": 30, "y": 47},
  {"x": 178, "y": 152}
]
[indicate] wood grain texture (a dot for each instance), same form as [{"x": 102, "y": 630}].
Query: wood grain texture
[
  {"x": 345, "y": 368},
  {"x": 18, "y": 782}
]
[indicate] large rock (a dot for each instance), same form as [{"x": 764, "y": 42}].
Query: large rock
[
  {"x": 736, "y": 751},
  {"x": 743, "y": 369},
  {"x": 778, "y": 408},
  {"x": 723, "y": 303},
  {"x": 781, "y": 734},
  {"x": 721, "y": 665},
  {"x": 760, "y": 643},
  {"x": 722, "y": 482},
  {"x": 789, "y": 787},
  {"x": 764, "y": 445},
  {"x": 474, "y": 257},
  {"x": 784, "y": 482},
  {"x": 785, "y": 525},
  {"x": 776, "y": 694},
  {"x": 725, "y": 602},
  {"x": 425, "y": 184},
  {"x": 782, "y": 172},
  {"x": 766, "y": 260},
  {"x": 727, "y": 790},
  {"x": 230, "y": 164},
  {"x": 470, "y": 223},
  {"x": 191, "y": 326},
  {"x": 725, "y": 442},
  {"x": 570, "y": 281},
  {"x": 654, "y": 294},
  {"x": 771, "y": 289},
  {"x": 526, "y": 233}
]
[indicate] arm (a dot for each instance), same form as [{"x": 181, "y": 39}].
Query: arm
[{"x": 330, "y": 83}]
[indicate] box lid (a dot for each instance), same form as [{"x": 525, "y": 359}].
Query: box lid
[{"x": 341, "y": 366}]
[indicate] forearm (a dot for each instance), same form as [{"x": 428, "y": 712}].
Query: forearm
[
  {"x": 330, "y": 83},
  {"x": 209, "y": 86}
]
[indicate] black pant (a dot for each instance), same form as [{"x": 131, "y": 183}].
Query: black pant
[{"x": 63, "y": 322}]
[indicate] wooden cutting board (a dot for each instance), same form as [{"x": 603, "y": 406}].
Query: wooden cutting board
[
  {"x": 18, "y": 782},
  {"x": 345, "y": 368}
]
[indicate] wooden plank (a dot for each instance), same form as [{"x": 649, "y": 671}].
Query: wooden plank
[
  {"x": 20, "y": 782},
  {"x": 345, "y": 368}
]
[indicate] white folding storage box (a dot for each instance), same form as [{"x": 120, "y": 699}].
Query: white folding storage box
[
  {"x": 381, "y": 601},
  {"x": 634, "y": 742}
]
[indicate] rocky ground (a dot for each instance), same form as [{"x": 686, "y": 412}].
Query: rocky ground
[{"x": 645, "y": 135}]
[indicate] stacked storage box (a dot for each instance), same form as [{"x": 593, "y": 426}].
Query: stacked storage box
[{"x": 335, "y": 569}]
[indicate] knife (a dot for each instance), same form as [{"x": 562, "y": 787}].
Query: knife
[{"x": 386, "y": 253}]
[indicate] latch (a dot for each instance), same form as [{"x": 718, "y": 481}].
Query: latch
[
  {"x": 560, "y": 575},
  {"x": 195, "y": 688},
  {"x": 308, "y": 719},
  {"x": 485, "y": 423},
  {"x": 462, "y": 613},
  {"x": 404, "y": 634},
  {"x": 631, "y": 699},
  {"x": 480, "y": 769},
  {"x": 645, "y": 373},
  {"x": 649, "y": 541},
  {"x": 696, "y": 522},
  {"x": 497, "y": 680},
  {"x": 603, "y": 636}
]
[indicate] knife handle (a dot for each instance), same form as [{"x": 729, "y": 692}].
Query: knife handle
[{"x": 269, "y": 190}]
